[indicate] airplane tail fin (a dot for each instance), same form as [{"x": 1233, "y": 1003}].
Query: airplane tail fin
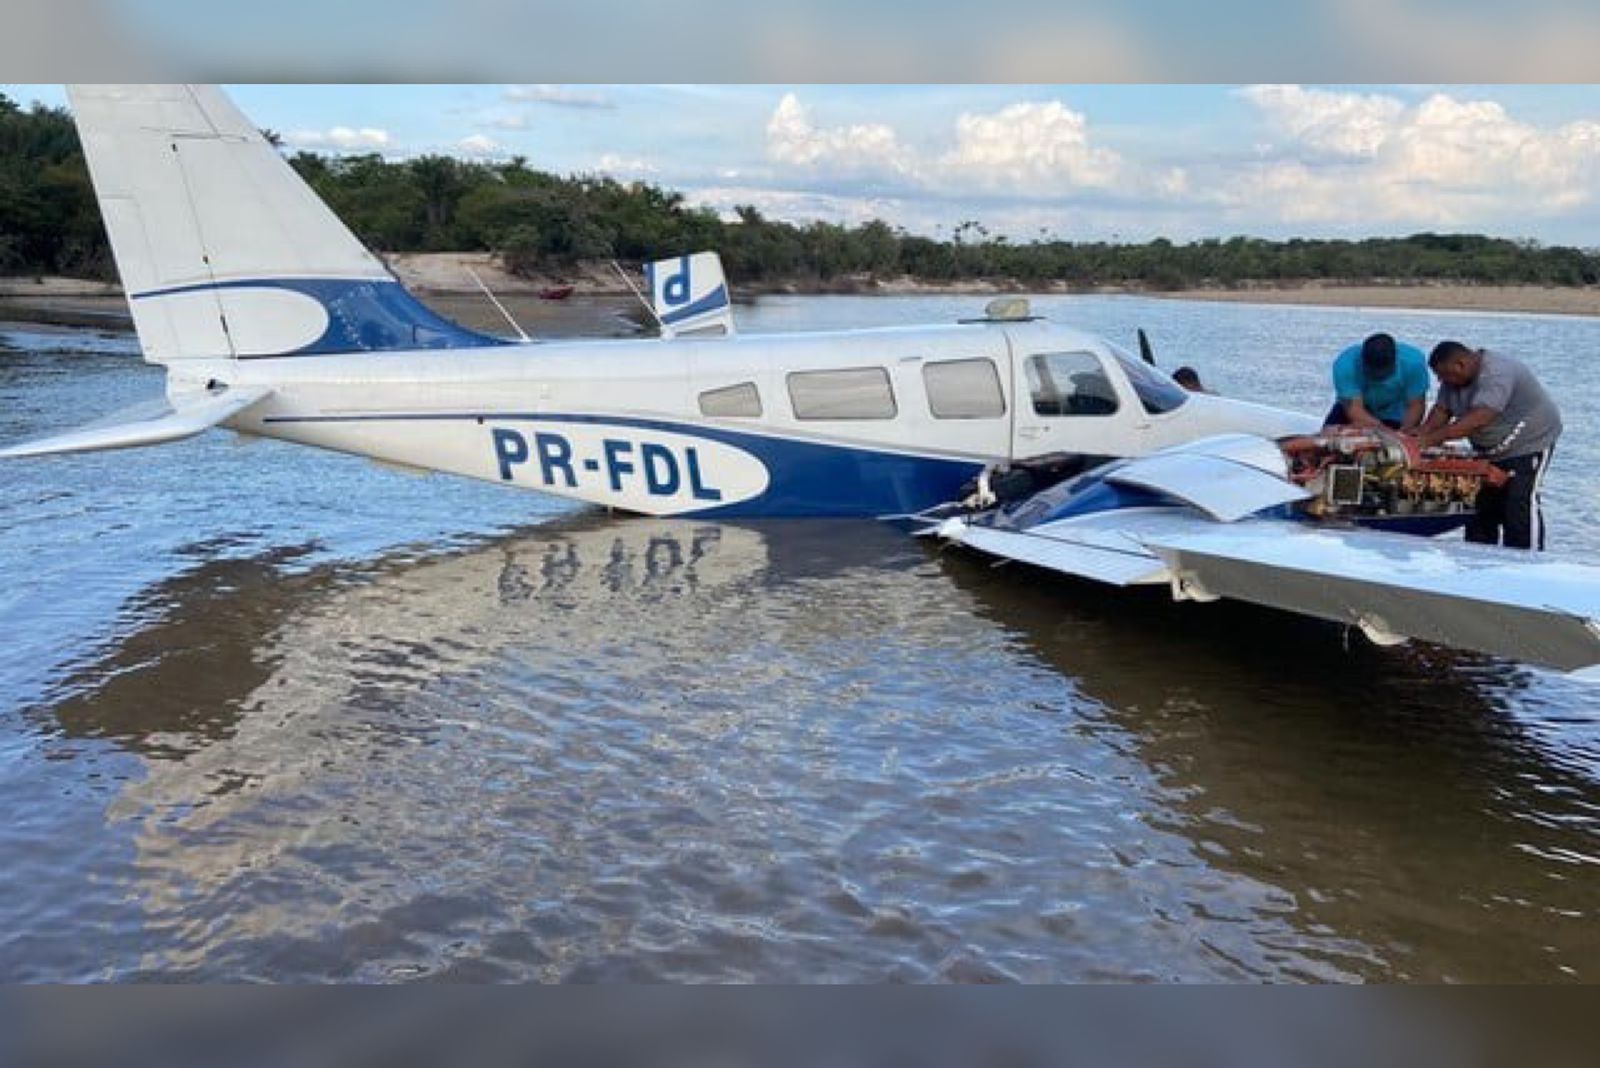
[
  {"x": 690, "y": 295},
  {"x": 223, "y": 250}
]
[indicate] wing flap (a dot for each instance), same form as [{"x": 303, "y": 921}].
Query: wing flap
[
  {"x": 1495, "y": 601},
  {"x": 146, "y": 424},
  {"x": 1089, "y": 557}
]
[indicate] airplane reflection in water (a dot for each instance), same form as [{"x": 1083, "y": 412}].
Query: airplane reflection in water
[
  {"x": 579, "y": 647},
  {"x": 601, "y": 728}
]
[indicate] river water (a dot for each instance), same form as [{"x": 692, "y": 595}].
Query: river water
[{"x": 272, "y": 714}]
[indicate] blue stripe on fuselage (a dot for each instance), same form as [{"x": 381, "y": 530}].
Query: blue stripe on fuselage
[{"x": 807, "y": 478}]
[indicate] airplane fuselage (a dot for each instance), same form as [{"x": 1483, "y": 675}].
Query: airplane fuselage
[{"x": 866, "y": 422}]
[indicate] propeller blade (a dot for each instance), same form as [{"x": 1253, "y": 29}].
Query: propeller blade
[{"x": 1145, "y": 350}]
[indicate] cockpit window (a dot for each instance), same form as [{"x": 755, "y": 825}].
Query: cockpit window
[
  {"x": 1156, "y": 391},
  {"x": 1070, "y": 383}
]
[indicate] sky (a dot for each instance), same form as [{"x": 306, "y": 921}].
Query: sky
[{"x": 1079, "y": 162}]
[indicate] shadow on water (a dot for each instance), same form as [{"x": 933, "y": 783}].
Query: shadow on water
[
  {"x": 193, "y": 645},
  {"x": 1411, "y": 798}
]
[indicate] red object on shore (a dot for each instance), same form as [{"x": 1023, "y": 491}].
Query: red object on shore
[{"x": 556, "y": 293}]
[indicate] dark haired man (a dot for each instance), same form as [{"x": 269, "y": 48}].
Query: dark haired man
[
  {"x": 1189, "y": 379},
  {"x": 1379, "y": 382},
  {"x": 1497, "y": 404}
]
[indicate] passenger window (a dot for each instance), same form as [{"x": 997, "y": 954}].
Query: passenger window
[
  {"x": 963, "y": 389},
  {"x": 741, "y": 401},
  {"x": 1070, "y": 383},
  {"x": 857, "y": 393}
]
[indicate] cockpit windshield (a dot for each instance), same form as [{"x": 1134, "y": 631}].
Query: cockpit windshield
[{"x": 1156, "y": 391}]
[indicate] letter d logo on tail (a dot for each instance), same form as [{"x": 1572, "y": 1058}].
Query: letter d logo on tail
[
  {"x": 690, "y": 295},
  {"x": 675, "y": 287}
]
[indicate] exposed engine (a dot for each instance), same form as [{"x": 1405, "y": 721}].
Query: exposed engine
[{"x": 1360, "y": 472}]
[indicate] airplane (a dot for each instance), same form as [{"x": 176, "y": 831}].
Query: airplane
[
  {"x": 1308, "y": 524},
  {"x": 271, "y": 319}
]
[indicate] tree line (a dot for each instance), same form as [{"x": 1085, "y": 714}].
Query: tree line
[{"x": 541, "y": 223}]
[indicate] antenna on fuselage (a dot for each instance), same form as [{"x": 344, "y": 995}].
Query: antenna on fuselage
[
  {"x": 502, "y": 308},
  {"x": 1146, "y": 349},
  {"x": 666, "y": 331}
]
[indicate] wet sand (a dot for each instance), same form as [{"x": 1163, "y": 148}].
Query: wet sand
[{"x": 1544, "y": 300}]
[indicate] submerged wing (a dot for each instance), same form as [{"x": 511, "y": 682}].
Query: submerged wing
[
  {"x": 1392, "y": 586},
  {"x": 1498, "y": 601},
  {"x": 146, "y": 424}
]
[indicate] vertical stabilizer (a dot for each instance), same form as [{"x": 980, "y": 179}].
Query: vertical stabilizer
[
  {"x": 223, "y": 250},
  {"x": 690, "y": 295}
]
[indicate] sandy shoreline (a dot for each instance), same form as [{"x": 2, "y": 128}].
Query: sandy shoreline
[
  {"x": 1543, "y": 300},
  {"x": 603, "y": 305}
]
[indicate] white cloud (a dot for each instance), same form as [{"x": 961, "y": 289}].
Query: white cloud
[
  {"x": 1444, "y": 162},
  {"x": 793, "y": 139},
  {"x": 559, "y": 96},
  {"x": 1028, "y": 149},
  {"x": 1035, "y": 147},
  {"x": 340, "y": 139},
  {"x": 479, "y": 145},
  {"x": 626, "y": 166},
  {"x": 1344, "y": 124}
]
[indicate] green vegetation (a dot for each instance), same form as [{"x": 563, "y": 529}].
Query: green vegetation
[
  {"x": 49, "y": 223},
  {"x": 540, "y": 222}
]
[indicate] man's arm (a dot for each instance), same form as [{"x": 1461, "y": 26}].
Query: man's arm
[
  {"x": 1475, "y": 420},
  {"x": 1413, "y": 416},
  {"x": 1356, "y": 414},
  {"x": 1438, "y": 418}
]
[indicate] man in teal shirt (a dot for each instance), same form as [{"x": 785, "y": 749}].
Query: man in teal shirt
[{"x": 1379, "y": 382}]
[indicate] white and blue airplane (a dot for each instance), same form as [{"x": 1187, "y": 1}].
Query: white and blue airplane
[{"x": 271, "y": 319}]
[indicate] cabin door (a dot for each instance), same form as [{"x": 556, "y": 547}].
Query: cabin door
[{"x": 1073, "y": 402}]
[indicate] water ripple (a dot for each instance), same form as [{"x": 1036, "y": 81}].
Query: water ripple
[{"x": 276, "y": 715}]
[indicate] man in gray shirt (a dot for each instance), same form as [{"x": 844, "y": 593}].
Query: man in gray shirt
[{"x": 1497, "y": 404}]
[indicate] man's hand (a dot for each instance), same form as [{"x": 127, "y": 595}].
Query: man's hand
[
  {"x": 1356, "y": 413},
  {"x": 1415, "y": 409},
  {"x": 1463, "y": 427}
]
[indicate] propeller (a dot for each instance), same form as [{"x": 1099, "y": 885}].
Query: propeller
[{"x": 1145, "y": 349}]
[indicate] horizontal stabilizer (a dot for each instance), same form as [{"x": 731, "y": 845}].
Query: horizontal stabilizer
[{"x": 146, "y": 424}]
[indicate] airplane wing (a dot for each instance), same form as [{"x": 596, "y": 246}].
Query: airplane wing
[
  {"x": 1396, "y": 586},
  {"x": 1392, "y": 586},
  {"x": 146, "y": 424}
]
